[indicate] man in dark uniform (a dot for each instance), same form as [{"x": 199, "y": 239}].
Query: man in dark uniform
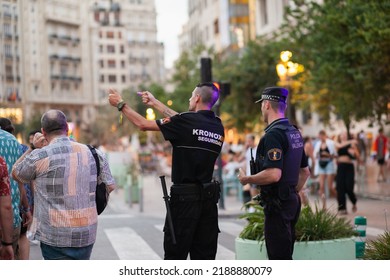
[
  {"x": 197, "y": 137},
  {"x": 282, "y": 171}
]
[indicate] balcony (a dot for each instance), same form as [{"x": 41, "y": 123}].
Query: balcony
[{"x": 53, "y": 57}]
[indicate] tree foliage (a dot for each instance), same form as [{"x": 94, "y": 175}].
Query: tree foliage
[
  {"x": 187, "y": 75},
  {"x": 345, "y": 47}
]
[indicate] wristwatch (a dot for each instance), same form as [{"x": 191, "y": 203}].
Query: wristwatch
[{"x": 120, "y": 105}]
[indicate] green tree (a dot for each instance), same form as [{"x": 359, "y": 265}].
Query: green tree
[
  {"x": 249, "y": 75},
  {"x": 187, "y": 75},
  {"x": 345, "y": 47}
]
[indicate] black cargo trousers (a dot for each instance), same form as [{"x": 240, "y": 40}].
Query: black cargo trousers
[
  {"x": 195, "y": 220},
  {"x": 279, "y": 226}
]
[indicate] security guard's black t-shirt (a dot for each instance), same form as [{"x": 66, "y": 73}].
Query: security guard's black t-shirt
[{"x": 197, "y": 139}]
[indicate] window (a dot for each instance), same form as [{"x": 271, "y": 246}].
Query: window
[
  {"x": 122, "y": 49},
  {"x": 216, "y": 27},
  {"x": 7, "y": 29},
  {"x": 101, "y": 48},
  {"x": 120, "y": 35},
  {"x": 101, "y": 62},
  {"x": 65, "y": 86},
  {"x": 7, "y": 50},
  {"x": 110, "y": 34},
  {"x": 63, "y": 69},
  {"x": 8, "y": 70},
  {"x": 112, "y": 79},
  {"x": 123, "y": 64},
  {"x": 111, "y": 63},
  {"x": 102, "y": 78},
  {"x": 263, "y": 12},
  {"x": 100, "y": 34},
  {"x": 110, "y": 49},
  {"x": 123, "y": 79}
]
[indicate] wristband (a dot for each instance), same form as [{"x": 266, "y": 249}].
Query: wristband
[
  {"x": 3, "y": 243},
  {"x": 120, "y": 105}
]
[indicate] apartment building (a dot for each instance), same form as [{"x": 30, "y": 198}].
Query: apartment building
[
  {"x": 224, "y": 25},
  {"x": 10, "y": 61},
  {"x": 65, "y": 54},
  {"x": 125, "y": 51}
]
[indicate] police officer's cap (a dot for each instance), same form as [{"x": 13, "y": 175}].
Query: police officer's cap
[{"x": 277, "y": 94}]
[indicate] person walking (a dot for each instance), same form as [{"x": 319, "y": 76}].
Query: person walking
[
  {"x": 347, "y": 152},
  {"x": 250, "y": 190},
  {"x": 65, "y": 175},
  {"x": 282, "y": 172},
  {"x": 380, "y": 149},
  {"x": 325, "y": 153},
  {"x": 6, "y": 214},
  {"x": 197, "y": 137}
]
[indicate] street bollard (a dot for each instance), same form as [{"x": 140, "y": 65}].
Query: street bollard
[{"x": 360, "y": 241}]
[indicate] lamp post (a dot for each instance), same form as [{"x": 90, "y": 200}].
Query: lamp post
[{"x": 286, "y": 69}]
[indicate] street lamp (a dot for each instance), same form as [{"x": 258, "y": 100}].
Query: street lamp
[
  {"x": 286, "y": 69},
  {"x": 150, "y": 115}
]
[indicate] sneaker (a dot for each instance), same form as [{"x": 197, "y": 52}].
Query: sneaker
[
  {"x": 354, "y": 208},
  {"x": 343, "y": 212}
]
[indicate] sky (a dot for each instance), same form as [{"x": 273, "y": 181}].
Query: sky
[{"x": 171, "y": 15}]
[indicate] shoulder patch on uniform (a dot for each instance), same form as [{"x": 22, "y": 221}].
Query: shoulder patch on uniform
[
  {"x": 165, "y": 120},
  {"x": 274, "y": 154}
]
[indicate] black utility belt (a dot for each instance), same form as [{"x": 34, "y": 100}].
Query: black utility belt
[
  {"x": 195, "y": 188},
  {"x": 185, "y": 189}
]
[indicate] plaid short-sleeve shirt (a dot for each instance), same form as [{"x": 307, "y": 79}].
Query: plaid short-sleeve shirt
[{"x": 65, "y": 175}]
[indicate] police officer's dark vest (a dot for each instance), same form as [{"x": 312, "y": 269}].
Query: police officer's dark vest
[{"x": 291, "y": 161}]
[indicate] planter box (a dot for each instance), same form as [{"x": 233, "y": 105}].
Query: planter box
[{"x": 336, "y": 249}]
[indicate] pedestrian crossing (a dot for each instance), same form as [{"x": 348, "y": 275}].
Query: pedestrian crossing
[
  {"x": 131, "y": 245},
  {"x": 131, "y": 237}
]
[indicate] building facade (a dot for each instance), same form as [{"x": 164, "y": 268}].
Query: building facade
[
  {"x": 10, "y": 61},
  {"x": 65, "y": 54},
  {"x": 125, "y": 48},
  {"x": 224, "y": 25}
]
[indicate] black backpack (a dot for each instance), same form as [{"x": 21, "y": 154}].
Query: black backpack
[{"x": 102, "y": 193}]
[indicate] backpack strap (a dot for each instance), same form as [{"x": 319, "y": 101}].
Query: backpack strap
[{"x": 95, "y": 156}]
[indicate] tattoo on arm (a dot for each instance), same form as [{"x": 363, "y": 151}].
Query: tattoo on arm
[{"x": 168, "y": 112}]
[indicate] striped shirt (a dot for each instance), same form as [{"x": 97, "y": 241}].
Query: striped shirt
[{"x": 65, "y": 177}]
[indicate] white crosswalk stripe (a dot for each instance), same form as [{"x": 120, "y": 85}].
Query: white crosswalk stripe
[
  {"x": 129, "y": 245},
  {"x": 223, "y": 253}
]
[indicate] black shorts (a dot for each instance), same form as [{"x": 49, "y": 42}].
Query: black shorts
[{"x": 381, "y": 161}]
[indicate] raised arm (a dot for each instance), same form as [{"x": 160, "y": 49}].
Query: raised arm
[
  {"x": 149, "y": 99},
  {"x": 143, "y": 124}
]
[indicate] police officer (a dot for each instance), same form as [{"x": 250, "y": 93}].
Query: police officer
[
  {"x": 197, "y": 137},
  {"x": 282, "y": 170}
]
